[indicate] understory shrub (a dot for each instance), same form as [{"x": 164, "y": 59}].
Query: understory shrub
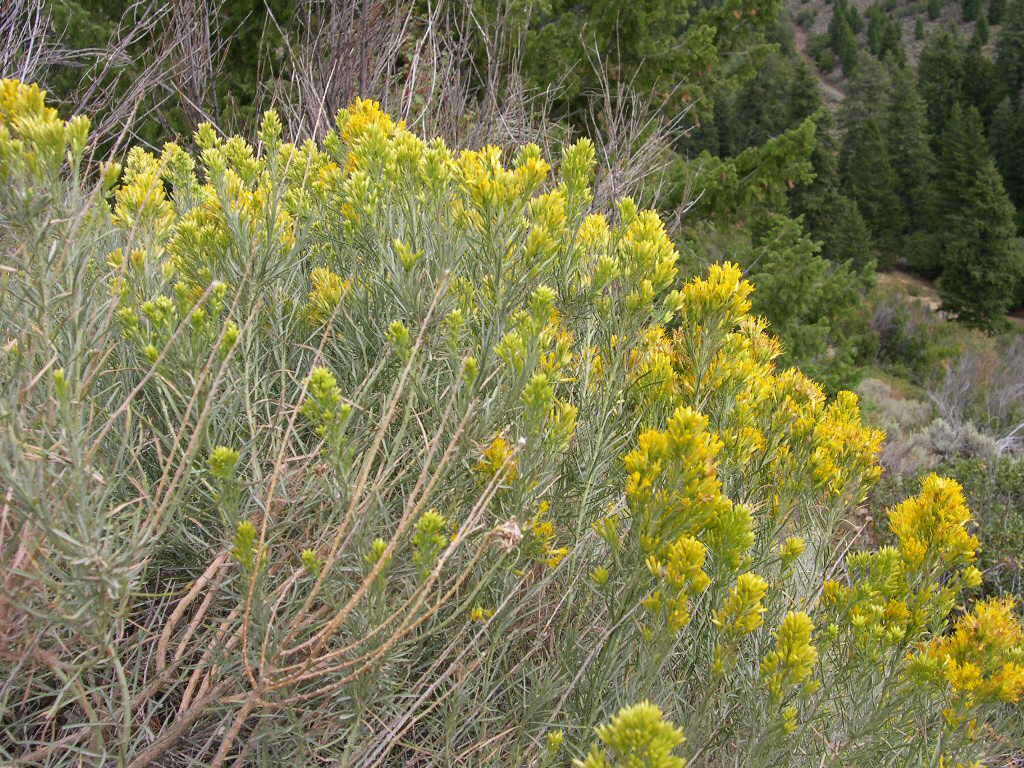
[{"x": 372, "y": 452}]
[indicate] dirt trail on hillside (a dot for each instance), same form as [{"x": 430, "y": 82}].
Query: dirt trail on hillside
[{"x": 800, "y": 41}]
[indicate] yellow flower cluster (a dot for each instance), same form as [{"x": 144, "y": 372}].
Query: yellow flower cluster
[
  {"x": 742, "y": 612},
  {"x": 540, "y": 542},
  {"x": 716, "y": 303},
  {"x": 645, "y": 257},
  {"x": 673, "y": 490},
  {"x": 794, "y": 656},
  {"x": 141, "y": 204},
  {"x": 874, "y": 608},
  {"x": 680, "y": 570},
  {"x": 776, "y": 425},
  {"x": 324, "y": 406},
  {"x": 428, "y": 539},
  {"x": 895, "y": 593},
  {"x": 981, "y": 661},
  {"x": 652, "y": 368},
  {"x": 498, "y": 458},
  {"x": 490, "y": 186},
  {"x": 327, "y": 291},
  {"x": 637, "y": 736},
  {"x": 932, "y": 527},
  {"x": 34, "y": 141}
]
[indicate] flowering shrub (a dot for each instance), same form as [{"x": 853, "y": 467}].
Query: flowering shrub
[{"x": 376, "y": 453}]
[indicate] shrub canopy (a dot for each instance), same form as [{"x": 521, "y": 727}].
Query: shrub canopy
[{"x": 380, "y": 453}]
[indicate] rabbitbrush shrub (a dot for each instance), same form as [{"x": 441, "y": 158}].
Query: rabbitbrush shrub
[{"x": 376, "y": 453}]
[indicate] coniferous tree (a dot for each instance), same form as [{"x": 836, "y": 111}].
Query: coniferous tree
[
  {"x": 980, "y": 36},
  {"x": 910, "y": 151},
  {"x": 892, "y": 47},
  {"x": 941, "y": 77},
  {"x": 979, "y": 84},
  {"x": 963, "y": 150},
  {"x": 983, "y": 262},
  {"x": 835, "y": 24},
  {"x": 867, "y": 94},
  {"x": 1010, "y": 51},
  {"x": 868, "y": 174},
  {"x": 876, "y": 28},
  {"x": 1006, "y": 137},
  {"x": 761, "y": 108},
  {"x": 969, "y": 10},
  {"x": 803, "y": 295},
  {"x": 652, "y": 45},
  {"x": 996, "y": 9},
  {"x": 846, "y": 238},
  {"x": 723, "y": 143},
  {"x": 919, "y": 29},
  {"x": 934, "y": 9},
  {"x": 846, "y": 48},
  {"x": 964, "y": 154},
  {"x": 854, "y": 19},
  {"x": 779, "y": 97},
  {"x": 830, "y": 216},
  {"x": 805, "y": 95}
]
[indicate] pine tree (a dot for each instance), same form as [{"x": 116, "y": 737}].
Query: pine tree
[
  {"x": 980, "y": 36},
  {"x": 868, "y": 174},
  {"x": 910, "y": 151},
  {"x": 996, "y": 9},
  {"x": 876, "y": 28},
  {"x": 963, "y": 151},
  {"x": 847, "y": 50},
  {"x": 1010, "y": 51},
  {"x": 867, "y": 94},
  {"x": 892, "y": 48},
  {"x": 919, "y": 29},
  {"x": 830, "y": 216},
  {"x": 941, "y": 77},
  {"x": 725, "y": 126},
  {"x": 980, "y": 78},
  {"x": 969, "y": 10},
  {"x": 1006, "y": 136},
  {"x": 934, "y": 9},
  {"x": 846, "y": 239},
  {"x": 835, "y": 25},
  {"x": 983, "y": 263},
  {"x": 761, "y": 108},
  {"x": 804, "y": 95},
  {"x": 854, "y": 19}
]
